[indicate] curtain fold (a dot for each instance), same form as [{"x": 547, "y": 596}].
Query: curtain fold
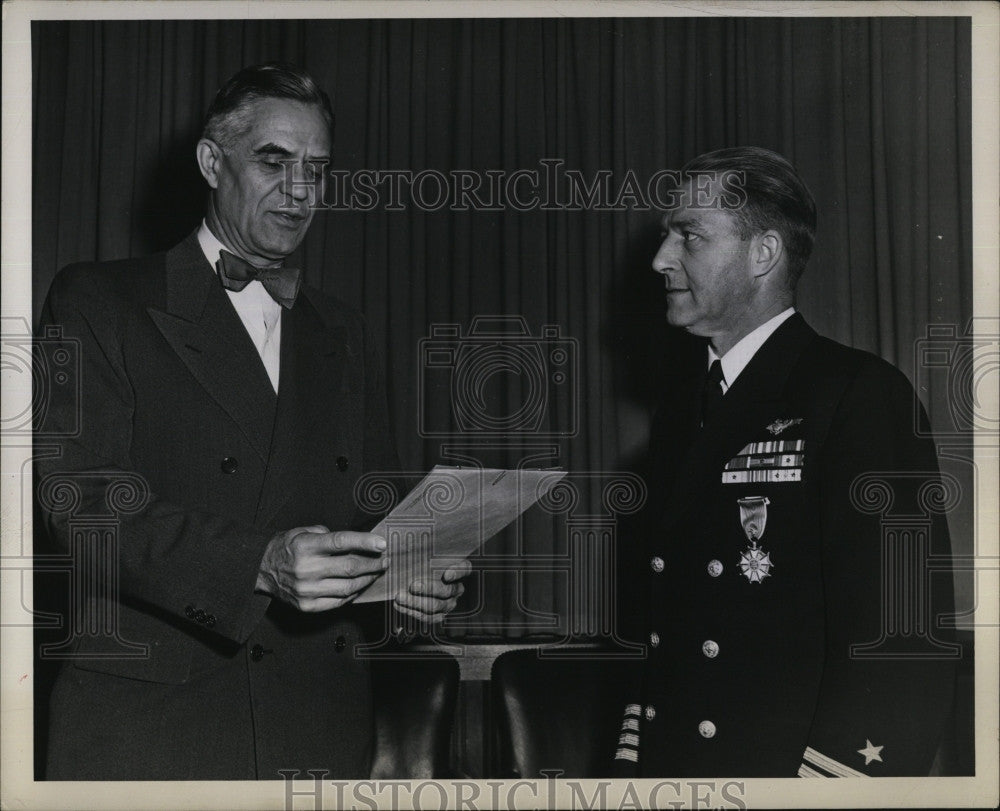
[{"x": 874, "y": 112}]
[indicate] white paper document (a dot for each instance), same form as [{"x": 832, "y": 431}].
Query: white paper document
[{"x": 447, "y": 517}]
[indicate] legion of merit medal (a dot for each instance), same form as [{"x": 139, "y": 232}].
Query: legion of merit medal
[{"x": 755, "y": 563}]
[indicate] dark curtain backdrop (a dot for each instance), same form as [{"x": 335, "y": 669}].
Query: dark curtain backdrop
[{"x": 874, "y": 112}]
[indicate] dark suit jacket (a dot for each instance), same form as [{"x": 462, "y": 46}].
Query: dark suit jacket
[
  {"x": 831, "y": 644},
  {"x": 232, "y": 685}
]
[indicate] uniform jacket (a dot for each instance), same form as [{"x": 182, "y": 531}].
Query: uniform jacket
[
  {"x": 174, "y": 401},
  {"x": 786, "y": 636}
]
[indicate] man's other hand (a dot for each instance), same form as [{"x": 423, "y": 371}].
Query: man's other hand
[
  {"x": 431, "y": 600},
  {"x": 314, "y": 569}
]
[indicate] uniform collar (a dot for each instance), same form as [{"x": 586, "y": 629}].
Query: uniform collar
[{"x": 737, "y": 358}]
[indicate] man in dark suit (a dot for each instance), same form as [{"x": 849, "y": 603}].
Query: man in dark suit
[
  {"x": 785, "y": 596},
  {"x": 226, "y": 415}
]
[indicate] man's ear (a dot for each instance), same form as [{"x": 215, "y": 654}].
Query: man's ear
[
  {"x": 210, "y": 156},
  {"x": 766, "y": 253}
]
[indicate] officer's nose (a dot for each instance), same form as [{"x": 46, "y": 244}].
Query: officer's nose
[{"x": 666, "y": 257}]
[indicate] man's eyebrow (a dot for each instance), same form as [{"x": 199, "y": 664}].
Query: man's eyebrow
[
  {"x": 685, "y": 223},
  {"x": 276, "y": 150},
  {"x": 272, "y": 149}
]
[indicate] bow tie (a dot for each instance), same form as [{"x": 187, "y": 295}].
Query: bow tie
[{"x": 281, "y": 284}]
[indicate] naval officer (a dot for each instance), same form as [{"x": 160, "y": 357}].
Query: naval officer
[{"x": 777, "y": 644}]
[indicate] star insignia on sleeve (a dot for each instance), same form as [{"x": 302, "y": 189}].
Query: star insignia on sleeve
[{"x": 871, "y": 752}]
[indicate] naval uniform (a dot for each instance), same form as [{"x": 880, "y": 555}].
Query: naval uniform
[{"x": 790, "y": 620}]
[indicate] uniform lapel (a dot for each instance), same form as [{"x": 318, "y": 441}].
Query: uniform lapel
[
  {"x": 756, "y": 397},
  {"x": 202, "y": 327},
  {"x": 313, "y": 354}
]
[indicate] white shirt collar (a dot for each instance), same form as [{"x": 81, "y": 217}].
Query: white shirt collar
[
  {"x": 211, "y": 246},
  {"x": 736, "y": 359}
]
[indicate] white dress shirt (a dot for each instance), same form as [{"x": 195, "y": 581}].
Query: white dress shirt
[
  {"x": 736, "y": 359},
  {"x": 260, "y": 314}
]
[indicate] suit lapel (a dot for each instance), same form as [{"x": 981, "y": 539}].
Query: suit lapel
[
  {"x": 313, "y": 355},
  {"x": 755, "y": 398},
  {"x": 204, "y": 330}
]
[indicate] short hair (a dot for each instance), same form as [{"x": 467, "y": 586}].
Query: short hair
[
  {"x": 774, "y": 197},
  {"x": 230, "y": 112}
]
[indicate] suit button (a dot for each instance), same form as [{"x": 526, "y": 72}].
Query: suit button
[
  {"x": 715, "y": 568},
  {"x": 342, "y": 463},
  {"x": 710, "y": 648},
  {"x": 229, "y": 465},
  {"x": 649, "y": 712},
  {"x": 257, "y": 652},
  {"x": 654, "y": 639},
  {"x": 199, "y": 615},
  {"x": 656, "y": 564},
  {"x": 706, "y": 729},
  {"x": 189, "y": 612},
  {"x": 340, "y": 644},
  {"x": 210, "y": 620}
]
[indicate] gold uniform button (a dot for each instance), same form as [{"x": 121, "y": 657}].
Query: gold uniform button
[
  {"x": 710, "y": 648},
  {"x": 654, "y": 639},
  {"x": 706, "y": 729},
  {"x": 715, "y": 568},
  {"x": 657, "y": 564},
  {"x": 649, "y": 712}
]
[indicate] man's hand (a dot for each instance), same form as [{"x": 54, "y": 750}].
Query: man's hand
[
  {"x": 314, "y": 569},
  {"x": 431, "y": 600}
]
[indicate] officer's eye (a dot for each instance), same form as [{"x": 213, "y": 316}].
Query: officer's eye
[{"x": 688, "y": 236}]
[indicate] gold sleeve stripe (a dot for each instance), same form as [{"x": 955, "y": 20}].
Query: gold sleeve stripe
[{"x": 830, "y": 765}]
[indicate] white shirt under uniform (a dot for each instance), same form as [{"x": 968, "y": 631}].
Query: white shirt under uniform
[
  {"x": 260, "y": 314},
  {"x": 737, "y": 358}
]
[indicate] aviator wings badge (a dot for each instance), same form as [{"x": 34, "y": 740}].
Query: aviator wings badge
[
  {"x": 779, "y": 425},
  {"x": 755, "y": 563}
]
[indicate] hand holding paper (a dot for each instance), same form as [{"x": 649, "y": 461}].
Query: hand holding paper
[
  {"x": 441, "y": 522},
  {"x": 314, "y": 569},
  {"x": 432, "y": 600}
]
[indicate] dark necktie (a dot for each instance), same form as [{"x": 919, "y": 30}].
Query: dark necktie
[
  {"x": 711, "y": 394},
  {"x": 282, "y": 284}
]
